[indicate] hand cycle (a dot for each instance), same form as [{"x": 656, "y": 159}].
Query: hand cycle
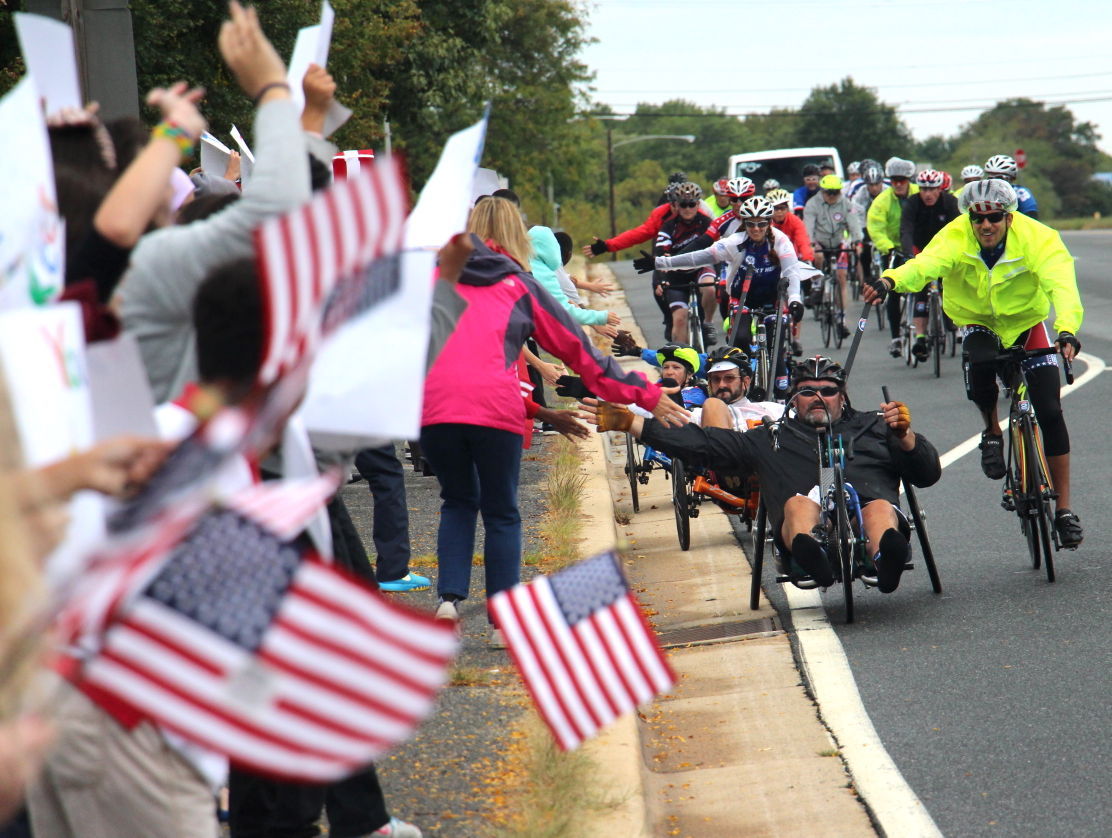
[
  {"x": 842, "y": 525},
  {"x": 1028, "y": 488}
]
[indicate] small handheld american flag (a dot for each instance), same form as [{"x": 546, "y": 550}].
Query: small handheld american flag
[{"x": 582, "y": 647}]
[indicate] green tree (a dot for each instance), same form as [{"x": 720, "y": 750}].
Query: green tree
[{"x": 854, "y": 120}]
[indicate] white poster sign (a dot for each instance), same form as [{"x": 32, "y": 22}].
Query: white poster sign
[{"x": 51, "y": 59}]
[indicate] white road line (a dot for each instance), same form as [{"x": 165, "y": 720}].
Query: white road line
[{"x": 896, "y": 808}]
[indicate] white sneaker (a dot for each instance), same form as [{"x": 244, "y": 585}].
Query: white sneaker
[
  {"x": 496, "y": 641},
  {"x": 396, "y": 829},
  {"x": 447, "y": 611}
]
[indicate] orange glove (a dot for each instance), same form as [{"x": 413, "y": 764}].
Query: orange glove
[
  {"x": 901, "y": 423},
  {"x": 614, "y": 417}
]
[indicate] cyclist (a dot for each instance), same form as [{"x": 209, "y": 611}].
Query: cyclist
[
  {"x": 758, "y": 250},
  {"x": 787, "y": 222},
  {"x": 1004, "y": 167},
  {"x": 811, "y": 177},
  {"x": 853, "y": 182},
  {"x": 829, "y": 219},
  {"x": 769, "y": 185},
  {"x": 785, "y": 459},
  {"x": 970, "y": 174},
  {"x": 1003, "y": 272},
  {"x": 678, "y": 235},
  {"x": 642, "y": 233},
  {"x": 923, "y": 216},
  {"x": 883, "y": 223},
  {"x": 720, "y": 205},
  {"x": 737, "y": 190},
  {"x": 872, "y": 175}
]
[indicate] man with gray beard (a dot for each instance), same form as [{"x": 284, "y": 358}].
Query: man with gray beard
[{"x": 882, "y": 447}]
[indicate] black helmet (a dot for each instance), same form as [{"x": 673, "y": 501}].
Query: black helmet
[
  {"x": 810, "y": 169},
  {"x": 729, "y": 355},
  {"x": 677, "y": 177},
  {"x": 819, "y": 368}
]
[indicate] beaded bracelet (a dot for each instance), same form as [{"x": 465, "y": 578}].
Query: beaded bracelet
[{"x": 177, "y": 135}]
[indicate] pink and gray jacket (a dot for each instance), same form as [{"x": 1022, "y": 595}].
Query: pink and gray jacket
[{"x": 474, "y": 380}]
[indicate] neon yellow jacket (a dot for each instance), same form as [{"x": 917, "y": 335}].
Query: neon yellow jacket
[
  {"x": 883, "y": 220},
  {"x": 1035, "y": 271}
]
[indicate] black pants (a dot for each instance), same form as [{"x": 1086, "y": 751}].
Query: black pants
[
  {"x": 261, "y": 808},
  {"x": 383, "y": 471}
]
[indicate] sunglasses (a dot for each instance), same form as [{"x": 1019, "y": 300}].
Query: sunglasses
[
  {"x": 760, "y": 225},
  {"x": 833, "y": 191},
  {"x": 688, "y": 204},
  {"x": 827, "y": 391},
  {"x": 991, "y": 218},
  {"x": 900, "y": 180}
]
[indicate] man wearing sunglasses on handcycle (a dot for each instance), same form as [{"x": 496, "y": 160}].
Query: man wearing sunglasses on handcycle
[
  {"x": 1003, "y": 271},
  {"x": 785, "y": 457}
]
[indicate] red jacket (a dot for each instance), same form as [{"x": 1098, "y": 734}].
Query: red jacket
[
  {"x": 796, "y": 230},
  {"x": 644, "y": 233}
]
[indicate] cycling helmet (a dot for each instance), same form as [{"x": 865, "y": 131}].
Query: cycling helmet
[
  {"x": 989, "y": 195},
  {"x": 854, "y": 168},
  {"x": 779, "y": 196},
  {"x": 670, "y": 192},
  {"x": 872, "y": 173},
  {"x": 831, "y": 182},
  {"x": 818, "y": 368},
  {"x": 677, "y": 177},
  {"x": 725, "y": 356},
  {"x": 770, "y": 184},
  {"x": 898, "y": 167},
  {"x": 947, "y": 181},
  {"x": 810, "y": 170},
  {"x": 929, "y": 178},
  {"x": 680, "y": 353},
  {"x": 1001, "y": 165},
  {"x": 720, "y": 187},
  {"x": 740, "y": 187},
  {"x": 687, "y": 192},
  {"x": 972, "y": 173},
  {"x": 755, "y": 207},
  {"x": 868, "y": 161}
]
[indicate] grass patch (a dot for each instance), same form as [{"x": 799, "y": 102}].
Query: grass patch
[
  {"x": 563, "y": 493},
  {"x": 551, "y": 793},
  {"x": 1084, "y": 223},
  {"x": 830, "y": 752},
  {"x": 470, "y": 676}
]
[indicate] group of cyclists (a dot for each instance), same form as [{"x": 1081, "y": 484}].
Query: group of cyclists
[{"x": 895, "y": 229}]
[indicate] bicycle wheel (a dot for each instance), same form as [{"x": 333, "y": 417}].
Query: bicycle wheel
[
  {"x": 937, "y": 339},
  {"x": 1038, "y": 490},
  {"x": 633, "y": 471},
  {"x": 838, "y": 306},
  {"x": 681, "y": 502},
  {"x": 1016, "y": 481},
  {"x": 919, "y": 519},
  {"x": 758, "y": 558},
  {"x": 845, "y": 542},
  {"x": 826, "y": 312},
  {"x": 695, "y": 321}
]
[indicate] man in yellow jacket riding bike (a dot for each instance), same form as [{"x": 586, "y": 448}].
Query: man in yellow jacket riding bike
[{"x": 1003, "y": 271}]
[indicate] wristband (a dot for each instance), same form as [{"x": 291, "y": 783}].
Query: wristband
[
  {"x": 267, "y": 87},
  {"x": 175, "y": 134}
]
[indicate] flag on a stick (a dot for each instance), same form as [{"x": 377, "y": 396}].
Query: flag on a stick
[
  {"x": 247, "y": 647},
  {"x": 333, "y": 239},
  {"x": 582, "y": 647}
]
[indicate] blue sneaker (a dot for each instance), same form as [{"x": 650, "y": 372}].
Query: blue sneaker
[{"x": 409, "y": 582}]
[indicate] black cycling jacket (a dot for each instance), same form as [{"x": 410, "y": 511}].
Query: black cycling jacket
[
  {"x": 875, "y": 468},
  {"x": 919, "y": 223}
]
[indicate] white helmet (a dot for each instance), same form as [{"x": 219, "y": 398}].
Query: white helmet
[
  {"x": 740, "y": 187},
  {"x": 854, "y": 168},
  {"x": 1001, "y": 165},
  {"x": 898, "y": 167},
  {"x": 989, "y": 195},
  {"x": 755, "y": 207},
  {"x": 972, "y": 172},
  {"x": 770, "y": 184},
  {"x": 929, "y": 178}
]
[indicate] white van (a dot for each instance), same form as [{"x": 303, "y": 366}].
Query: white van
[{"x": 783, "y": 164}]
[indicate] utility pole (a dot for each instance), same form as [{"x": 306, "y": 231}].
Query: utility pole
[{"x": 105, "y": 43}]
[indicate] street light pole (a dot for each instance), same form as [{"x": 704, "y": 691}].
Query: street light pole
[{"x": 610, "y": 146}]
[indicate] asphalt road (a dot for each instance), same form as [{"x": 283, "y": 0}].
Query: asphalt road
[{"x": 993, "y": 698}]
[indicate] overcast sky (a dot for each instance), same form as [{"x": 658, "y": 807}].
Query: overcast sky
[{"x": 940, "y": 62}]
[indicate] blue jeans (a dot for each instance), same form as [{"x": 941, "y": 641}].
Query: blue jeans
[
  {"x": 478, "y": 469},
  {"x": 390, "y": 528}
]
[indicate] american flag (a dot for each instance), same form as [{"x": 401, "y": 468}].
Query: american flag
[
  {"x": 246, "y": 646},
  {"x": 305, "y": 254},
  {"x": 582, "y": 647}
]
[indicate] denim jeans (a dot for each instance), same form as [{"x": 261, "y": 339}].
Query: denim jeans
[
  {"x": 390, "y": 528},
  {"x": 478, "y": 469}
]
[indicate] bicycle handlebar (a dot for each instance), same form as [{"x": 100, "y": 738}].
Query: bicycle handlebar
[{"x": 1019, "y": 353}]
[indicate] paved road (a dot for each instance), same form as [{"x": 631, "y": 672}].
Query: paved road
[{"x": 992, "y": 698}]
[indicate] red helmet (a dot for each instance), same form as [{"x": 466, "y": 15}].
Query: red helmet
[
  {"x": 740, "y": 187},
  {"x": 929, "y": 178},
  {"x": 721, "y": 187},
  {"x": 946, "y": 181}
]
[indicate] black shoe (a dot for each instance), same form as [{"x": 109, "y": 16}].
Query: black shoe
[
  {"x": 810, "y": 556},
  {"x": 992, "y": 456},
  {"x": 895, "y": 348},
  {"x": 1068, "y": 525},
  {"x": 920, "y": 350},
  {"x": 843, "y": 332},
  {"x": 892, "y": 561},
  {"x": 710, "y": 334},
  {"x": 797, "y": 349}
]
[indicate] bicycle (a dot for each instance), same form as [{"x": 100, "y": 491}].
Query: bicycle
[
  {"x": 841, "y": 522},
  {"x": 770, "y": 358},
  {"x": 941, "y": 333},
  {"x": 695, "y": 338},
  {"x": 1028, "y": 488},
  {"x": 831, "y": 307},
  {"x": 639, "y": 466}
]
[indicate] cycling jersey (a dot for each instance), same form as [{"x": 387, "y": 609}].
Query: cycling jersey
[
  {"x": 919, "y": 223},
  {"x": 883, "y": 219},
  {"x": 827, "y": 223},
  {"x": 717, "y": 211},
  {"x": 723, "y": 226},
  {"x": 1027, "y": 203},
  {"x": 796, "y": 230},
  {"x": 801, "y": 196},
  {"x": 641, "y": 233},
  {"x": 1034, "y": 271},
  {"x": 743, "y": 411},
  {"x": 852, "y": 188}
]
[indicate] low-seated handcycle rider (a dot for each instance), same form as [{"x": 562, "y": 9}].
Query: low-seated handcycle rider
[{"x": 884, "y": 450}]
